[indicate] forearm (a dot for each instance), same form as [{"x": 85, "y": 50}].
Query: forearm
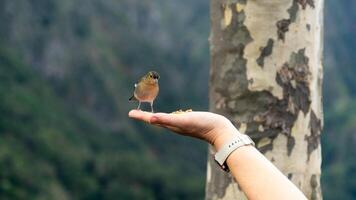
[{"x": 257, "y": 176}]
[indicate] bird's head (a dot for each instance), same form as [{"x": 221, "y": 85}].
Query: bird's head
[{"x": 152, "y": 77}]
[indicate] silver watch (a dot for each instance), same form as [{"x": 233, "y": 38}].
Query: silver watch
[{"x": 238, "y": 140}]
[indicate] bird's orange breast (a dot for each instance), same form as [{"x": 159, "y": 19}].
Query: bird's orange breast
[{"x": 146, "y": 92}]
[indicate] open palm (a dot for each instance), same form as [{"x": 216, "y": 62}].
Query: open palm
[{"x": 203, "y": 125}]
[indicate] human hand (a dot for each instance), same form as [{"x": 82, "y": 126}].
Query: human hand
[{"x": 207, "y": 126}]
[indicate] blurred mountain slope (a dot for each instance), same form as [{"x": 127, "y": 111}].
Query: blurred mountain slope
[
  {"x": 87, "y": 56},
  {"x": 49, "y": 152},
  {"x": 339, "y": 137}
]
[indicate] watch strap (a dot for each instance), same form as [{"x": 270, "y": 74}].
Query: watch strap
[{"x": 234, "y": 143}]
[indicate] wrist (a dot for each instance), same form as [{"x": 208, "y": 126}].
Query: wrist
[
  {"x": 223, "y": 137},
  {"x": 224, "y": 131},
  {"x": 234, "y": 142}
]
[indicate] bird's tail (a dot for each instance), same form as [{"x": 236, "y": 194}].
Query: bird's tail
[{"x": 133, "y": 98}]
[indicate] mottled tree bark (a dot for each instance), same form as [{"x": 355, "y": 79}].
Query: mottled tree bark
[{"x": 266, "y": 76}]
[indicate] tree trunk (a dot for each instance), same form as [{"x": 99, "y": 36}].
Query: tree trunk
[{"x": 266, "y": 76}]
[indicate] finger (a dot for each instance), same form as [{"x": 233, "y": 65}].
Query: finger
[
  {"x": 171, "y": 128},
  {"x": 140, "y": 115},
  {"x": 164, "y": 119}
]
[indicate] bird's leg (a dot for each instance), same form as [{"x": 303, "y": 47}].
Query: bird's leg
[
  {"x": 151, "y": 103},
  {"x": 139, "y": 104}
]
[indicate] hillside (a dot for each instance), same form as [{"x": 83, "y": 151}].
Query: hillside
[
  {"x": 86, "y": 59},
  {"x": 338, "y": 136}
]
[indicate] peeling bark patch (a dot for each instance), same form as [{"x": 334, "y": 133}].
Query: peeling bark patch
[
  {"x": 290, "y": 176},
  {"x": 221, "y": 181},
  {"x": 229, "y": 54},
  {"x": 293, "y": 77},
  {"x": 266, "y": 116},
  {"x": 290, "y": 143},
  {"x": 265, "y": 51},
  {"x": 278, "y": 116},
  {"x": 263, "y": 149},
  {"x": 311, "y": 3},
  {"x": 276, "y": 120},
  {"x": 308, "y": 27},
  {"x": 292, "y": 11},
  {"x": 223, "y": 184},
  {"x": 235, "y": 37},
  {"x": 304, "y": 3},
  {"x": 282, "y": 28},
  {"x": 283, "y": 24},
  {"x": 314, "y": 139},
  {"x": 314, "y": 185}
]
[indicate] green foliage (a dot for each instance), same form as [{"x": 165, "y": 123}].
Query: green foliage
[
  {"x": 47, "y": 153},
  {"x": 338, "y": 139}
]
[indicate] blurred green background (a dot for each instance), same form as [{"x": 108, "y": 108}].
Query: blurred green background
[{"x": 67, "y": 69}]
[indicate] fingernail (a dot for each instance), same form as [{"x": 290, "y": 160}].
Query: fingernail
[{"x": 131, "y": 113}]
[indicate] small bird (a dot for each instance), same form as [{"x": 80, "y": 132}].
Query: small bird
[{"x": 146, "y": 90}]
